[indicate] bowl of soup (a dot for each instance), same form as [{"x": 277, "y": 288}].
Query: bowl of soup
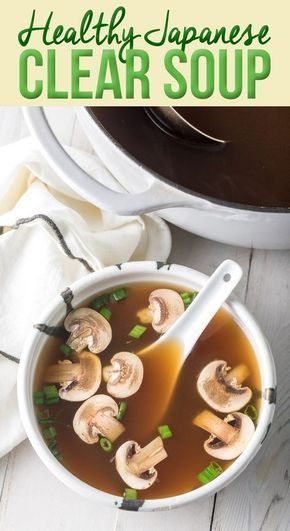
[
  {"x": 99, "y": 407},
  {"x": 237, "y": 192}
]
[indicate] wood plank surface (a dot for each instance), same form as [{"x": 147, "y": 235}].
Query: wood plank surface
[
  {"x": 259, "y": 499},
  {"x": 33, "y": 499}
]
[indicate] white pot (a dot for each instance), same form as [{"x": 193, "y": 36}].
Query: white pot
[
  {"x": 108, "y": 279},
  {"x": 264, "y": 228}
]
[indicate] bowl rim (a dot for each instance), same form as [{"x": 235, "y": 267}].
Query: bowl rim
[
  {"x": 139, "y": 164},
  {"x": 98, "y": 282}
]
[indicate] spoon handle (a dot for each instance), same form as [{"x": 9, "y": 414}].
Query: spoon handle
[{"x": 195, "y": 319}]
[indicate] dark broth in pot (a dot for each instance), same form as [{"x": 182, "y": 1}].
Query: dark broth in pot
[
  {"x": 253, "y": 168},
  {"x": 223, "y": 339}
]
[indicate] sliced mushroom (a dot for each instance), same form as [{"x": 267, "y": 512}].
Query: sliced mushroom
[
  {"x": 96, "y": 417},
  {"x": 221, "y": 387},
  {"x": 78, "y": 381},
  {"x": 88, "y": 329},
  {"x": 125, "y": 374},
  {"x": 136, "y": 465},
  {"x": 166, "y": 306},
  {"x": 229, "y": 437}
]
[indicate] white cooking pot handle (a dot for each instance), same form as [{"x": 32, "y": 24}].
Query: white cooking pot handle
[{"x": 157, "y": 197}]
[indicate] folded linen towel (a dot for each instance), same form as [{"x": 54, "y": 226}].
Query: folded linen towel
[{"x": 50, "y": 237}]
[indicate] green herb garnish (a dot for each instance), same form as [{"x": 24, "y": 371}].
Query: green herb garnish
[
  {"x": 165, "y": 432},
  {"x": 186, "y": 298},
  {"x": 100, "y": 301},
  {"x": 52, "y": 445},
  {"x": 251, "y": 411},
  {"x": 65, "y": 349},
  {"x": 119, "y": 295},
  {"x": 49, "y": 433},
  {"x": 122, "y": 410},
  {"x": 50, "y": 392},
  {"x": 137, "y": 331},
  {"x": 130, "y": 494},
  {"x": 106, "y": 444},
  {"x": 57, "y": 454},
  {"x": 38, "y": 398},
  {"x": 105, "y": 312},
  {"x": 212, "y": 471}
]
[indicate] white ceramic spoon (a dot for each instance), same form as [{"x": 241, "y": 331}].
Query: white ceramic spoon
[{"x": 189, "y": 327}]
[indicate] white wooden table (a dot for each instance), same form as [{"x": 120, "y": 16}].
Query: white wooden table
[{"x": 31, "y": 499}]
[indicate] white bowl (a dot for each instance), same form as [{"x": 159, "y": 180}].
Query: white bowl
[{"x": 107, "y": 279}]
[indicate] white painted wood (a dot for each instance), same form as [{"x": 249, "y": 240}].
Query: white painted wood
[
  {"x": 259, "y": 500},
  {"x": 193, "y": 517},
  {"x": 205, "y": 255},
  {"x": 3, "y": 469},
  {"x": 33, "y": 499}
]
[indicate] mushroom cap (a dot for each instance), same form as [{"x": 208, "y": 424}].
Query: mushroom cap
[
  {"x": 245, "y": 430},
  {"x": 166, "y": 307},
  {"x": 220, "y": 393},
  {"x": 123, "y": 455},
  {"x": 95, "y": 417},
  {"x": 88, "y": 381},
  {"x": 125, "y": 375},
  {"x": 88, "y": 329}
]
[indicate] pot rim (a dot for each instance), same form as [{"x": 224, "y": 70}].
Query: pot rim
[
  {"x": 135, "y": 161},
  {"x": 108, "y": 278}
]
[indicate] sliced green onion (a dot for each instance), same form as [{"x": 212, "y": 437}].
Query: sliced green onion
[
  {"x": 106, "y": 444},
  {"x": 130, "y": 494},
  {"x": 212, "y": 471},
  {"x": 45, "y": 420},
  {"x": 57, "y": 454},
  {"x": 38, "y": 398},
  {"x": 52, "y": 401},
  {"x": 43, "y": 417},
  {"x": 105, "y": 312},
  {"x": 119, "y": 294},
  {"x": 49, "y": 433},
  {"x": 44, "y": 414},
  {"x": 137, "y": 331},
  {"x": 165, "y": 432},
  {"x": 251, "y": 411},
  {"x": 50, "y": 392},
  {"x": 186, "y": 298},
  {"x": 52, "y": 445},
  {"x": 122, "y": 410},
  {"x": 65, "y": 349},
  {"x": 100, "y": 301}
]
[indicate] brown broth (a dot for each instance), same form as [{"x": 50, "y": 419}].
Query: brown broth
[
  {"x": 223, "y": 339},
  {"x": 253, "y": 168}
]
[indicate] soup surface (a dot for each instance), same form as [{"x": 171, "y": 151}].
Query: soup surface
[
  {"x": 223, "y": 339},
  {"x": 253, "y": 167}
]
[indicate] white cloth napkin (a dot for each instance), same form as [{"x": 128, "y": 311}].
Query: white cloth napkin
[{"x": 50, "y": 237}]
